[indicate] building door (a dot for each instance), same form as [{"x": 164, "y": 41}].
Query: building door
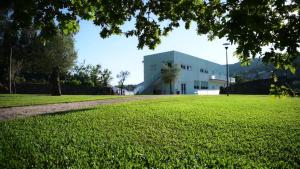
[{"x": 183, "y": 88}]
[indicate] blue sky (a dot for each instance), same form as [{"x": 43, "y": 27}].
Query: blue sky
[{"x": 119, "y": 53}]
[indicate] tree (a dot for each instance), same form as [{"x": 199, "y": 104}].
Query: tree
[
  {"x": 21, "y": 51},
  {"x": 81, "y": 73},
  {"x": 169, "y": 73},
  {"x": 55, "y": 57},
  {"x": 15, "y": 47},
  {"x": 100, "y": 78},
  {"x": 272, "y": 25},
  {"x": 8, "y": 39},
  {"x": 95, "y": 74},
  {"x": 253, "y": 25},
  {"x": 239, "y": 79},
  {"x": 90, "y": 75},
  {"x": 122, "y": 76},
  {"x": 105, "y": 78}
]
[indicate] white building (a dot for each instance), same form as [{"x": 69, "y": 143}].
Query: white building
[{"x": 196, "y": 75}]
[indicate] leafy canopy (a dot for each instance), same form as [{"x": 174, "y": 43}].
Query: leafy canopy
[
  {"x": 58, "y": 52},
  {"x": 90, "y": 75},
  {"x": 250, "y": 24}
]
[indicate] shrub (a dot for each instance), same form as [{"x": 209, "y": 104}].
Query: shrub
[{"x": 74, "y": 82}]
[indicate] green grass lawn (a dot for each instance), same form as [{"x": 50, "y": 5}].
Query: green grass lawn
[
  {"x": 170, "y": 132},
  {"x": 10, "y": 100}
]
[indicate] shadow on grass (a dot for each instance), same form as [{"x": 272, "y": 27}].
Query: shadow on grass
[{"x": 67, "y": 112}]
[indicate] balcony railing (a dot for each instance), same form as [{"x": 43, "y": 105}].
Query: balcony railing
[{"x": 221, "y": 78}]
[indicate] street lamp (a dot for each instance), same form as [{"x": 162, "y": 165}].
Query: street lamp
[{"x": 227, "y": 69}]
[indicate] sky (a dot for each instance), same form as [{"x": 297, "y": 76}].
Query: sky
[{"x": 118, "y": 53}]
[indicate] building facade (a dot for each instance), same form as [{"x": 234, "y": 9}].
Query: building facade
[{"x": 195, "y": 74}]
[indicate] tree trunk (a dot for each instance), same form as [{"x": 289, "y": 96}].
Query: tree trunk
[
  {"x": 122, "y": 89},
  {"x": 171, "y": 92},
  {"x": 14, "y": 84},
  {"x": 55, "y": 82},
  {"x": 9, "y": 76}
]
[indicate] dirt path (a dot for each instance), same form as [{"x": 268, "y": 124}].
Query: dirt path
[{"x": 24, "y": 111}]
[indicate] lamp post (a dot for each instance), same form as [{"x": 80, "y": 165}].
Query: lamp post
[{"x": 227, "y": 69}]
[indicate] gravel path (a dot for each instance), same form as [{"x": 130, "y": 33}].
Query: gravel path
[{"x": 24, "y": 111}]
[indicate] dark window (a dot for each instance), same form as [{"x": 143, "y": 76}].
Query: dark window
[
  {"x": 201, "y": 70},
  {"x": 183, "y": 88},
  {"x": 204, "y": 85},
  {"x": 196, "y": 84},
  {"x": 182, "y": 66}
]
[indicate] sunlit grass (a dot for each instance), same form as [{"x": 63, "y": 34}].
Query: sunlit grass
[
  {"x": 171, "y": 132},
  {"x": 10, "y": 100}
]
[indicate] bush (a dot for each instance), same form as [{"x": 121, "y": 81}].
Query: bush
[
  {"x": 74, "y": 83},
  {"x": 88, "y": 83},
  {"x": 3, "y": 88}
]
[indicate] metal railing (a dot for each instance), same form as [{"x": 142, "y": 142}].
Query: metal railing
[
  {"x": 154, "y": 80},
  {"x": 221, "y": 78}
]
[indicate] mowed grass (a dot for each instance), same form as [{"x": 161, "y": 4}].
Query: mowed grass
[
  {"x": 11, "y": 100},
  {"x": 170, "y": 132}
]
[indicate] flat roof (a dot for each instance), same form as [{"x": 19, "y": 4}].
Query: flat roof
[{"x": 174, "y": 51}]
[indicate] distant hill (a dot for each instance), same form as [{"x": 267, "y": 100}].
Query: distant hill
[
  {"x": 258, "y": 70},
  {"x": 257, "y": 75}
]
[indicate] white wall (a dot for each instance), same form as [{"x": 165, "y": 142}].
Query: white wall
[
  {"x": 188, "y": 77},
  {"x": 208, "y": 92},
  {"x": 185, "y": 76},
  {"x": 150, "y": 74}
]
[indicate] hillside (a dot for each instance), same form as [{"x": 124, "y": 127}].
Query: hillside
[{"x": 258, "y": 70}]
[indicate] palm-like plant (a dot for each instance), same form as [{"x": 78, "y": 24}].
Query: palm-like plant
[{"x": 169, "y": 73}]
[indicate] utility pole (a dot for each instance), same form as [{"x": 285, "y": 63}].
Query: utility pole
[{"x": 10, "y": 57}]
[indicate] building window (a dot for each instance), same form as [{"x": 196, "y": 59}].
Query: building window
[
  {"x": 196, "y": 84},
  {"x": 212, "y": 72},
  {"x": 182, "y": 66},
  {"x": 204, "y": 85},
  {"x": 189, "y": 67},
  {"x": 203, "y": 71}
]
